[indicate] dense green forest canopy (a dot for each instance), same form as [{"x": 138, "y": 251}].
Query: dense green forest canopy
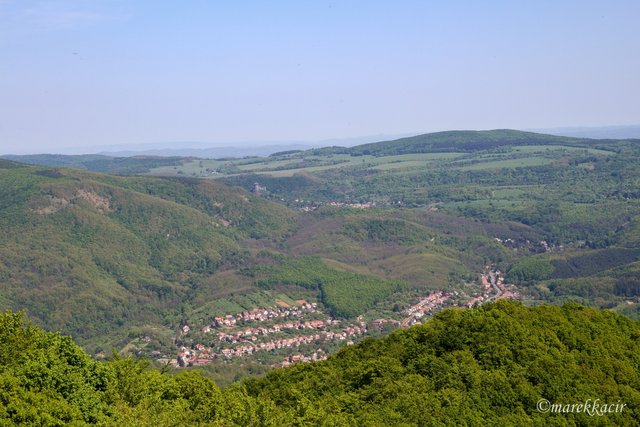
[{"x": 485, "y": 366}]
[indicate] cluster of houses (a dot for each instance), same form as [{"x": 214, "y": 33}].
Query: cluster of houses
[
  {"x": 326, "y": 336},
  {"x": 541, "y": 246},
  {"x": 261, "y": 315},
  {"x": 313, "y": 206},
  {"x": 189, "y": 357},
  {"x": 202, "y": 355},
  {"x": 494, "y": 288},
  {"x": 428, "y": 304},
  {"x": 238, "y": 335},
  {"x": 365, "y": 205},
  {"x": 317, "y": 355},
  {"x": 253, "y": 332},
  {"x": 380, "y": 323},
  {"x": 504, "y": 291}
]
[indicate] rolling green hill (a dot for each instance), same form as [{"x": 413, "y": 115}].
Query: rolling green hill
[
  {"x": 467, "y": 141},
  {"x": 94, "y": 255},
  {"x": 99, "y": 163},
  {"x": 384, "y": 155}
]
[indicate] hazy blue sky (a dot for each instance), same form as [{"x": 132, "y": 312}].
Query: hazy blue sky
[{"x": 99, "y": 72}]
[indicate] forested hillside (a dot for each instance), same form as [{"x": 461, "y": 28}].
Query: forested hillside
[
  {"x": 484, "y": 366},
  {"x": 98, "y": 162},
  {"x": 94, "y": 255},
  {"x": 467, "y": 141}
]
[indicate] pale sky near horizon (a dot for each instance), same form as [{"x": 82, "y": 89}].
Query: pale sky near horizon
[{"x": 115, "y": 72}]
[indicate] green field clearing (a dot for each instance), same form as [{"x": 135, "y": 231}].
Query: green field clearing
[
  {"x": 291, "y": 172},
  {"x": 489, "y": 205},
  {"x": 547, "y": 148},
  {"x": 515, "y": 193},
  {"x": 510, "y": 163},
  {"x": 403, "y": 165},
  {"x": 423, "y": 270},
  {"x": 286, "y": 299},
  {"x": 412, "y": 157},
  {"x": 409, "y": 161},
  {"x": 404, "y": 161},
  {"x": 396, "y": 163},
  {"x": 346, "y": 267},
  {"x": 266, "y": 165},
  {"x": 236, "y": 304},
  {"x": 199, "y": 167}
]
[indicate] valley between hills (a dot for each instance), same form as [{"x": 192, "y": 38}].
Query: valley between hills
[
  {"x": 126, "y": 260},
  {"x": 236, "y": 267}
]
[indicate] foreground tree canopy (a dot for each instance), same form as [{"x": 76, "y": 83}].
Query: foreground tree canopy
[{"x": 484, "y": 366}]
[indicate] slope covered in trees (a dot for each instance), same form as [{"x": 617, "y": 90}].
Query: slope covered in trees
[
  {"x": 484, "y": 366},
  {"x": 99, "y": 163},
  {"x": 345, "y": 294},
  {"x": 94, "y": 254},
  {"x": 465, "y": 141}
]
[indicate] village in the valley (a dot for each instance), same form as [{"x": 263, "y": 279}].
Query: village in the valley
[
  {"x": 270, "y": 329},
  {"x": 304, "y": 333}
]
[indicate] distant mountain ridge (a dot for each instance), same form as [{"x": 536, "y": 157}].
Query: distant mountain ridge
[
  {"x": 463, "y": 141},
  {"x": 98, "y": 162},
  {"x": 467, "y": 141},
  {"x": 209, "y": 153}
]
